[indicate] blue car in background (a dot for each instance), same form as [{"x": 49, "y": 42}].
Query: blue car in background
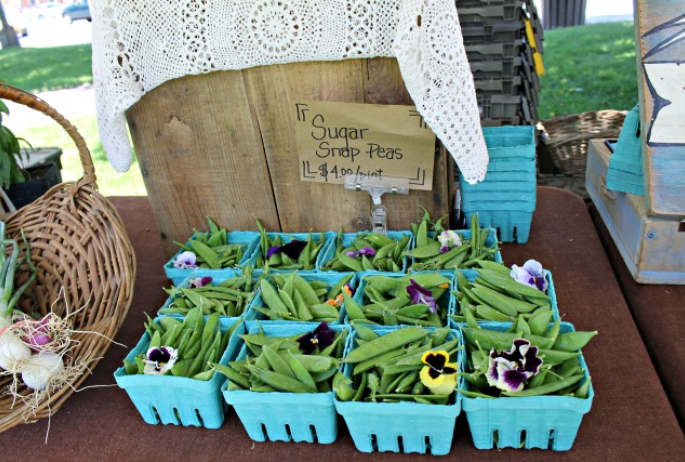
[{"x": 76, "y": 11}]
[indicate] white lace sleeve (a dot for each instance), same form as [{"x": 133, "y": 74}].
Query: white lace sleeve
[{"x": 138, "y": 45}]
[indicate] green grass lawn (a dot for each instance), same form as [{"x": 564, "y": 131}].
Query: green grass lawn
[
  {"x": 42, "y": 69},
  {"x": 588, "y": 68},
  {"x": 109, "y": 181}
]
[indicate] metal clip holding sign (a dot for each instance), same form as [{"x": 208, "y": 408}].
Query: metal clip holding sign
[{"x": 376, "y": 188}]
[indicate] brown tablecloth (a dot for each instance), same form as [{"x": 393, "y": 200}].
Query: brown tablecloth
[
  {"x": 659, "y": 312},
  {"x": 631, "y": 418}
]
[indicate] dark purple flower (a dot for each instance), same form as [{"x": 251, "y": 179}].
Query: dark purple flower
[
  {"x": 368, "y": 251},
  {"x": 159, "y": 360},
  {"x": 421, "y": 296},
  {"x": 200, "y": 282},
  {"x": 509, "y": 369},
  {"x": 320, "y": 337},
  {"x": 292, "y": 249}
]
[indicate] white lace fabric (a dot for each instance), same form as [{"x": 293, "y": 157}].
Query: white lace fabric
[{"x": 139, "y": 44}]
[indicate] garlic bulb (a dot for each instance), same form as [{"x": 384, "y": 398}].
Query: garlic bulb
[
  {"x": 12, "y": 349},
  {"x": 40, "y": 368}
]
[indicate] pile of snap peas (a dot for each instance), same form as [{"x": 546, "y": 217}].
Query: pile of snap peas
[
  {"x": 388, "y": 302},
  {"x": 385, "y": 367},
  {"x": 278, "y": 364},
  {"x": 495, "y": 296},
  {"x": 306, "y": 260},
  {"x": 426, "y": 253},
  {"x": 561, "y": 371},
  {"x": 387, "y": 253},
  {"x": 228, "y": 298},
  {"x": 197, "y": 341},
  {"x": 289, "y": 296},
  {"x": 212, "y": 248}
]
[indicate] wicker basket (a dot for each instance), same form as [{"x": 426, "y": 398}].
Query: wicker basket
[
  {"x": 566, "y": 138},
  {"x": 84, "y": 262}
]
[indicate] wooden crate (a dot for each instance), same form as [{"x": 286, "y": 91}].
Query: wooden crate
[
  {"x": 653, "y": 248},
  {"x": 223, "y": 145},
  {"x": 661, "y": 73}
]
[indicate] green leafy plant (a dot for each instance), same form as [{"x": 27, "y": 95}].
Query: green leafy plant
[{"x": 10, "y": 153}]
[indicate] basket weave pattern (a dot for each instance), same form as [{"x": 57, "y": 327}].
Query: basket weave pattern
[
  {"x": 566, "y": 138},
  {"x": 84, "y": 260}
]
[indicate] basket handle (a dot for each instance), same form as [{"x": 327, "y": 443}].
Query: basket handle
[{"x": 27, "y": 99}]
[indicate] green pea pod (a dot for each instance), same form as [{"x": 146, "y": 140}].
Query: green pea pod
[
  {"x": 352, "y": 308},
  {"x": 130, "y": 368},
  {"x": 493, "y": 266},
  {"x": 414, "y": 311},
  {"x": 350, "y": 262},
  {"x": 490, "y": 314},
  {"x": 271, "y": 297},
  {"x": 315, "y": 363},
  {"x": 322, "y": 376},
  {"x": 429, "y": 250},
  {"x": 539, "y": 321},
  {"x": 168, "y": 323},
  {"x": 387, "y": 342},
  {"x": 362, "y": 387},
  {"x": 583, "y": 389},
  {"x": 573, "y": 341},
  {"x": 303, "y": 310},
  {"x": 414, "y": 359},
  {"x": 206, "y": 253},
  {"x": 522, "y": 326},
  {"x": 281, "y": 382},
  {"x": 342, "y": 387},
  {"x": 277, "y": 363},
  {"x": 488, "y": 339},
  {"x": 546, "y": 389},
  {"x": 495, "y": 300},
  {"x": 307, "y": 291},
  {"x": 439, "y": 335},
  {"x": 511, "y": 286},
  {"x": 553, "y": 357},
  {"x": 156, "y": 340},
  {"x": 364, "y": 366},
  {"x": 422, "y": 234},
  {"x": 204, "y": 375},
  {"x": 337, "y": 289},
  {"x": 332, "y": 349},
  {"x": 384, "y": 251},
  {"x": 324, "y": 310},
  {"x": 300, "y": 371},
  {"x": 406, "y": 384},
  {"x": 379, "y": 240},
  {"x": 433, "y": 399},
  {"x": 364, "y": 332}
]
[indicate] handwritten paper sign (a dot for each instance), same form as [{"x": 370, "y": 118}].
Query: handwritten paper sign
[{"x": 370, "y": 142}]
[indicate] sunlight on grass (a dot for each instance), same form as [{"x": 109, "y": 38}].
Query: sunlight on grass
[
  {"x": 589, "y": 68},
  {"x": 109, "y": 181}
]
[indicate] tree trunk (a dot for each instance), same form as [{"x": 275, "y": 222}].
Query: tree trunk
[{"x": 8, "y": 38}]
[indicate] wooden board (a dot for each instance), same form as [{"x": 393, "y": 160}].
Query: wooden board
[
  {"x": 652, "y": 247},
  {"x": 199, "y": 158},
  {"x": 660, "y": 43},
  {"x": 223, "y": 145}
]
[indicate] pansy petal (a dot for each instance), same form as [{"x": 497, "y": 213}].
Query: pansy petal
[
  {"x": 510, "y": 380},
  {"x": 272, "y": 251},
  {"x": 519, "y": 274},
  {"x": 368, "y": 251},
  {"x": 534, "y": 267},
  {"x": 307, "y": 343},
  {"x": 351, "y": 254},
  {"x": 533, "y": 361},
  {"x": 435, "y": 359},
  {"x": 294, "y": 248}
]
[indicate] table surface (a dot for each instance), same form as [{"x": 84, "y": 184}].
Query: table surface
[{"x": 630, "y": 420}]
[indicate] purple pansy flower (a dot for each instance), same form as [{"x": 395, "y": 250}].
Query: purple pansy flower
[
  {"x": 421, "y": 296},
  {"x": 200, "y": 282},
  {"x": 531, "y": 274},
  {"x": 509, "y": 369},
  {"x": 185, "y": 260},
  {"x": 320, "y": 337},
  {"x": 160, "y": 360},
  {"x": 292, "y": 249},
  {"x": 368, "y": 251},
  {"x": 448, "y": 239}
]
